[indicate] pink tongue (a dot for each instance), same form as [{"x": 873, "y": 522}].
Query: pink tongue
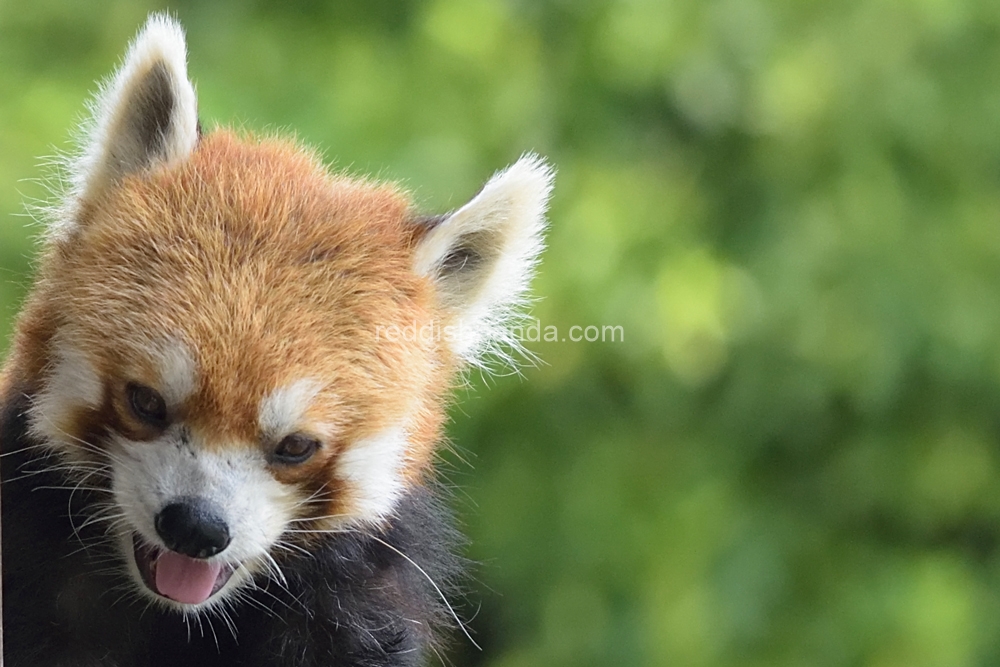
[{"x": 186, "y": 580}]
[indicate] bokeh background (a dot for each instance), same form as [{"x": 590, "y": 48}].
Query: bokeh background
[{"x": 791, "y": 208}]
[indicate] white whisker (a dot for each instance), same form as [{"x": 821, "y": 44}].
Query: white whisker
[{"x": 437, "y": 588}]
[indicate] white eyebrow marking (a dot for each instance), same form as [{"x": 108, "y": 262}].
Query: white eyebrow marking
[
  {"x": 282, "y": 410},
  {"x": 177, "y": 369}
]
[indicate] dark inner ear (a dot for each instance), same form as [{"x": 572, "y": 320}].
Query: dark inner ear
[
  {"x": 463, "y": 268},
  {"x": 464, "y": 257},
  {"x": 148, "y": 121}
]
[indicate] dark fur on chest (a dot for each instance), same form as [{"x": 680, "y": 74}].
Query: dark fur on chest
[{"x": 353, "y": 600}]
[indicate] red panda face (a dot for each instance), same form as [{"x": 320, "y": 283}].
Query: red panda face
[
  {"x": 219, "y": 324},
  {"x": 219, "y": 334}
]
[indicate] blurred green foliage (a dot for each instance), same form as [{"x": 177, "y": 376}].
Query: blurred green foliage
[{"x": 791, "y": 208}]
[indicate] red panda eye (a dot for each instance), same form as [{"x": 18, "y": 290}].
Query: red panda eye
[
  {"x": 146, "y": 404},
  {"x": 294, "y": 449}
]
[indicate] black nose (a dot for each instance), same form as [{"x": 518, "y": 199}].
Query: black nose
[{"x": 193, "y": 527}]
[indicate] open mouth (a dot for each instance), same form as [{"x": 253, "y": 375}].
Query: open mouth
[{"x": 178, "y": 577}]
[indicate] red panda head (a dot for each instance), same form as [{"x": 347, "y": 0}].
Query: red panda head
[{"x": 243, "y": 349}]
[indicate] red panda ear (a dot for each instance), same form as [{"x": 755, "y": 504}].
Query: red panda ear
[
  {"x": 145, "y": 115},
  {"x": 482, "y": 257}
]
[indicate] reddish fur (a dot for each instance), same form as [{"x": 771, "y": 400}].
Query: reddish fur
[{"x": 271, "y": 270}]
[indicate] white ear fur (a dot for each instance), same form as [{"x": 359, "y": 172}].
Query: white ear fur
[
  {"x": 146, "y": 114},
  {"x": 483, "y": 255}
]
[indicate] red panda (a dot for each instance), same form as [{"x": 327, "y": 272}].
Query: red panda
[{"x": 225, "y": 391}]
